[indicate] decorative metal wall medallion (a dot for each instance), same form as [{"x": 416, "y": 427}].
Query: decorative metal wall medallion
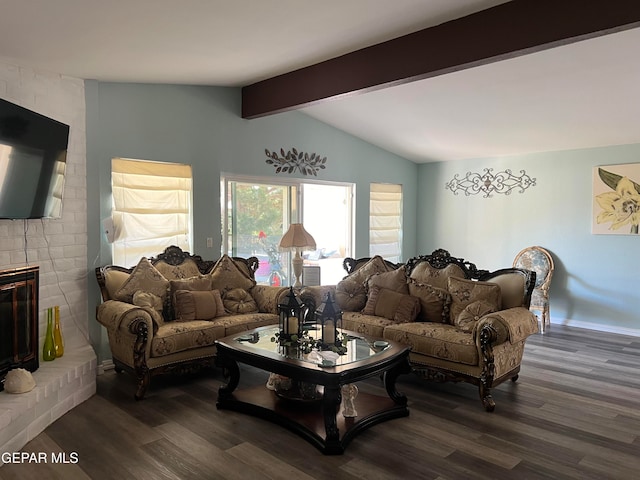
[
  {"x": 293, "y": 160},
  {"x": 489, "y": 183}
]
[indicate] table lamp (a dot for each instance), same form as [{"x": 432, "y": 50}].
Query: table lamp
[{"x": 296, "y": 240}]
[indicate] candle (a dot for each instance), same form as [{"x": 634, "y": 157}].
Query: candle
[
  {"x": 329, "y": 332},
  {"x": 292, "y": 325}
]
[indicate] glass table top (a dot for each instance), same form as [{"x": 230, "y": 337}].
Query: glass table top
[{"x": 358, "y": 347}]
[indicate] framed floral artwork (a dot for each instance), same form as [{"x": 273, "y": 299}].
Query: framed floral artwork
[{"x": 616, "y": 199}]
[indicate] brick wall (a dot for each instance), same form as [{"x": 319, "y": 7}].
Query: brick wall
[{"x": 57, "y": 246}]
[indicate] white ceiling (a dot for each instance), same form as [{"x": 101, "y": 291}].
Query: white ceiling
[{"x": 576, "y": 96}]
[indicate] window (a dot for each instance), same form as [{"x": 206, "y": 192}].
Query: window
[
  {"x": 385, "y": 221},
  {"x": 151, "y": 208},
  {"x": 258, "y": 211}
]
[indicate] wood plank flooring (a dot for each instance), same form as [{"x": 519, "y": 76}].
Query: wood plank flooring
[{"x": 574, "y": 413}]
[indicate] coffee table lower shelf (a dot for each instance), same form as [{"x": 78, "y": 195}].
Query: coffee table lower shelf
[{"x": 307, "y": 420}]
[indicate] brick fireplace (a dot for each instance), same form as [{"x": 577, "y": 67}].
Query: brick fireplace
[{"x": 59, "y": 248}]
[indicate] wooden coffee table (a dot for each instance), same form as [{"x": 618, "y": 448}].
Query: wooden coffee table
[{"x": 319, "y": 422}]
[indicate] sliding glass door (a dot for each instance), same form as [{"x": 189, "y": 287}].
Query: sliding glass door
[{"x": 258, "y": 211}]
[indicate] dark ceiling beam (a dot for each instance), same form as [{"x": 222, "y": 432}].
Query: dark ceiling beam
[{"x": 509, "y": 30}]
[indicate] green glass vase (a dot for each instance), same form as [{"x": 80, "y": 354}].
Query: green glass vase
[
  {"x": 58, "y": 342},
  {"x": 49, "y": 348}
]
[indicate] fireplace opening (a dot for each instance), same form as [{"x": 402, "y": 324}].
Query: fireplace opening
[{"x": 19, "y": 289}]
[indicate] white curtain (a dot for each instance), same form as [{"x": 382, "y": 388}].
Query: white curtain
[
  {"x": 151, "y": 208},
  {"x": 385, "y": 221}
]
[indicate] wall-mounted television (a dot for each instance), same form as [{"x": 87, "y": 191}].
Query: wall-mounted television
[{"x": 33, "y": 159}]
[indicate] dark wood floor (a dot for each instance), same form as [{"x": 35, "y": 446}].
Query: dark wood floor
[{"x": 574, "y": 413}]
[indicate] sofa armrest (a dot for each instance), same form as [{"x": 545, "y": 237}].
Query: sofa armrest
[
  {"x": 116, "y": 315},
  {"x": 268, "y": 297},
  {"x": 514, "y": 324}
]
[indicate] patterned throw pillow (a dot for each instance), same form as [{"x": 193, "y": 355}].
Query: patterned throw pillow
[
  {"x": 395, "y": 306},
  {"x": 198, "y": 282},
  {"x": 424, "y": 273},
  {"x": 351, "y": 295},
  {"x": 395, "y": 280},
  {"x": 197, "y": 305},
  {"x": 434, "y": 302},
  {"x": 463, "y": 292},
  {"x": 149, "y": 300},
  {"x": 373, "y": 266},
  {"x": 239, "y": 301},
  {"x": 226, "y": 275},
  {"x": 146, "y": 278},
  {"x": 351, "y": 291},
  {"x": 473, "y": 312}
]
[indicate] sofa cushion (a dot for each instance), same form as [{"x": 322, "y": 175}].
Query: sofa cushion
[
  {"x": 243, "y": 322},
  {"x": 469, "y": 316},
  {"x": 434, "y": 301},
  {"x": 424, "y": 273},
  {"x": 463, "y": 292},
  {"x": 439, "y": 340},
  {"x": 395, "y": 280},
  {"x": 395, "y": 306},
  {"x": 226, "y": 275},
  {"x": 197, "y": 305},
  {"x": 238, "y": 300},
  {"x": 351, "y": 295},
  {"x": 146, "y": 278},
  {"x": 370, "y": 325},
  {"x": 175, "y": 337}
]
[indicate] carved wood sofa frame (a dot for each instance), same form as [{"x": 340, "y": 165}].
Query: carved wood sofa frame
[
  {"x": 173, "y": 256},
  {"x": 488, "y": 335}
]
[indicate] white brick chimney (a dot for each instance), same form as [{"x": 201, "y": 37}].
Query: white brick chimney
[{"x": 59, "y": 248}]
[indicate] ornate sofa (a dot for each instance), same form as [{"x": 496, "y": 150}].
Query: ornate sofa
[
  {"x": 463, "y": 324},
  {"x": 165, "y": 314}
]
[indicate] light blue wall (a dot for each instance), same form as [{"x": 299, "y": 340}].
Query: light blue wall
[
  {"x": 596, "y": 277},
  {"x": 202, "y": 126}
]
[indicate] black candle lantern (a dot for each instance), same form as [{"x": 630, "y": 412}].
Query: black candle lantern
[
  {"x": 291, "y": 315},
  {"x": 329, "y": 316}
]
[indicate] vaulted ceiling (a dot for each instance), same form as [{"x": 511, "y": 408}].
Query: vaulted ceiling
[{"x": 430, "y": 80}]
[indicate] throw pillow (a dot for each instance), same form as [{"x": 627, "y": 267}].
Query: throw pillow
[
  {"x": 395, "y": 306},
  {"x": 434, "y": 302},
  {"x": 351, "y": 295},
  {"x": 226, "y": 275},
  {"x": 198, "y": 282},
  {"x": 149, "y": 300},
  {"x": 463, "y": 292},
  {"x": 373, "y": 266},
  {"x": 424, "y": 273},
  {"x": 473, "y": 312},
  {"x": 238, "y": 300},
  {"x": 197, "y": 305},
  {"x": 395, "y": 280},
  {"x": 144, "y": 277}
]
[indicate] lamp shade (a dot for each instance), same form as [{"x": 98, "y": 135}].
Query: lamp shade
[{"x": 297, "y": 238}]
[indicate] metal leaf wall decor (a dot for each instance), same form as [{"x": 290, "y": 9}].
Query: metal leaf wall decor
[
  {"x": 293, "y": 160},
  {"x": 489, "y": 183}
]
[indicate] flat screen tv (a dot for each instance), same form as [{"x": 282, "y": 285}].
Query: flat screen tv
[{"x": 33, "y": 158}]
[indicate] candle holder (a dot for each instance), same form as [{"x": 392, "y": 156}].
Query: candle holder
[
  {"x": 329, "y": 316},
  {"x": 290, "y": 317}
]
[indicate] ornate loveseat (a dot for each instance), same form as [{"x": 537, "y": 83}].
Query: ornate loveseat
[
  {"x": 165, "y": 314},
  {"x": 463, "y": 324}
]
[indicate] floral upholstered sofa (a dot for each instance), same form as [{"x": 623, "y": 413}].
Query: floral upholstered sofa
[
  {"x": 165, "y": 314},
  {"x": 463, "y": 324}
]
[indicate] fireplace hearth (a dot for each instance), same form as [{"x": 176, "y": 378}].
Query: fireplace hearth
[{"x": 19, "y": 289}]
